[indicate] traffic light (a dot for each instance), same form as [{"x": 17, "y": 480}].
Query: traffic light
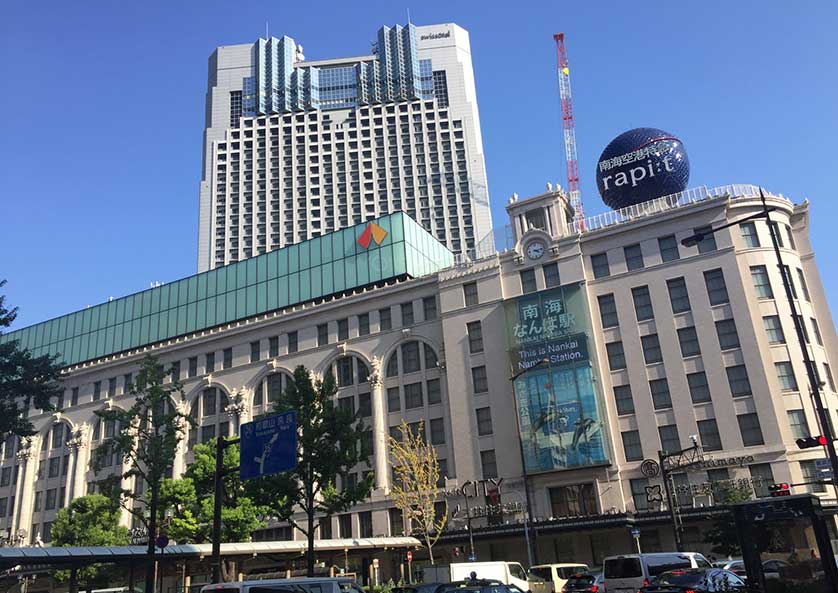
[
  {"x": 779, "y": 490},
  {"x": 809, "y": 442}
]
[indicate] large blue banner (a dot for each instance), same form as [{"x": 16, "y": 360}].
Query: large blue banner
[{"x": 562, "y": 423}]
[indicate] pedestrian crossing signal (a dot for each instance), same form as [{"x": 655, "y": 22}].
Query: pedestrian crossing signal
[{"x": 779, "y": 490}]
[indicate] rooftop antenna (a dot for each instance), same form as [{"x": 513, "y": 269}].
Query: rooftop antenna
[
  {"x": 266, "y": 31},
  {"x": 408, "y": 15}
]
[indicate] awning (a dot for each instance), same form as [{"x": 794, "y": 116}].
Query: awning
[{"x": 51, "y": 556}]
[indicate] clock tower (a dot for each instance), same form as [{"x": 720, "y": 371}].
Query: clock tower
[{"x": 539, "y": 221}]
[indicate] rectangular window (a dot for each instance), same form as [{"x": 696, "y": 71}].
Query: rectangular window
[
  {"x": 688, "y": 340},
  {"x": 193, "y": 366},
  {"x": 322, "y": 334},
  {"x": 803, "y": 328},
  {"x": 660, "y": 394},
  {"x": 273, "y": 347},
  {"x": 255, "y": 351},
  {"x": 528, "y": 281},
  {"x": 470, "y": 294},
  {"x": 363, "y": 324},
  {"x": 396, "y": 522},
  {"x": 52, "y": 495},
  {"x": 679, "y": 298},
  {"x": 642, "y": 303},
  {"x": 708, "y": 432},
  {"x": 364, "y": 405},
  {"x": 716, "y": 287},
  {"x": 429, "y": 308},
  {"x": 479, "y": 381},
  {"x": 438, "y": 431},
  {"x": 326, "y": 528},
  {"x": 4, "y": 506},
  {"x": 749, "y": 234},
  {"x": 112, "y": 382},
  {"x": 210, "y": 364},
  {"x": 750, "y": 429},
  {"x": 347, "y": 404},
  {"x": 625, "y": 403},
  {"x": 37, "y": 505},
  {"x": 293, "y": 342},
  {"x": 54, "y": 467},
  {"x": 407, "y": 314},
  {"x": 737, "y": 378},
  {"x": 127, "y": 383},
  {"x": 551, "y": 275},
  {"x": 634, "y": 257},
  {"x": 817, "y": 331},
  {"x": 393, "y": 399},
  {"x": 343, "y": 330},
  {"x": 774, "y": 329},
  {"x": 774, "y": 228},
  {"x": 410, "y": 357},
  {"x": 669, "y": 248},
  {"x": 74, "y": 396},
  {"x": 489, "y": 464},
  {"x": 385, "y": 319},
  {"x": 475, "y": 337},
  {"x": 97, "y": 391},
  {"x": 484, "y": 421},
  {"x": 632, "y": 446},
  {"x": 708, "y": 239},
  {"x": 651, "y": 349},
  {"x": 638, "y": 493},
  {"x": 599, "y": 265},
  {"x": 228, "y": 358},
  {"x": 670, "y": 442},
  {"x": 804, "y": 288},
  {"x": 798, "y": 424},
  {"x": 209, "y": 402},
  {"x": 811, "y": 474},
  {"x": 699, "y": 389},
  {"x": 434, "y": 391},
  {"x": 616, "y": 356},
  {"x": 762, "y": 285},
  {"x": 785, "y": 271},
  {"x": 829, "y": 379},
  {"x": 785, "y": 375},
  {"x": 345, "y": 526},
  {"x": 608, "y": 310},
  {"x": 728, "y": 337},
  {"x": 57, "y": 440},
  {"x": 413, "y": 396},
  {"x": 762, "y": 478}
]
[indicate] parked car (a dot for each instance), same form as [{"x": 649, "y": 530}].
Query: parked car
[
  {"x": 509, "y": 573},
  {"x": 628, "y": 572},
  {"x": 554, "y": 575},
  {"x": 478, "y": 586},
  {"x": 697, "y": 580},
  {"x": 774, "y": 569},
  {"x": 585, "y": 583},
  {"x": 419, "y": 588},
  {"x": 295, "y": 585},
  {"x": 737, "y": 567}
]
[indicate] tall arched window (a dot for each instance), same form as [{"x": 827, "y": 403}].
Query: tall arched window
[
  {"x": 269, "y": 391},
  {"x": 210, "y": 415},
  {"x": 352, "y": 375}
]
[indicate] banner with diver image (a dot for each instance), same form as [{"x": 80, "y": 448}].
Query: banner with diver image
[{"x": 562, "y": 424}]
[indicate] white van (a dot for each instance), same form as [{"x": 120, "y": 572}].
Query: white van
[
  {"x": 627, "y": 573},
  {"x": 298, "y": 585},
  {"x": 509, "y": 573},
  {"x": 554, "y": 576}
]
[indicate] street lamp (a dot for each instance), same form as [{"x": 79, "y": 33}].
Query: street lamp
[
  {"x": 814, "y": 383},
  {"x": 531, "y": 552}
]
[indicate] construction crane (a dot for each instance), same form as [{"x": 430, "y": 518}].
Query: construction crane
[{"x": 569, "y": 133}]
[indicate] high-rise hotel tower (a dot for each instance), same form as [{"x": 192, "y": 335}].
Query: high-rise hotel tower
[{"x": 296, "y": 148}]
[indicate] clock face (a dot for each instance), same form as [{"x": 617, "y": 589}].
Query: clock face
[{"x": 535, "y": 250}]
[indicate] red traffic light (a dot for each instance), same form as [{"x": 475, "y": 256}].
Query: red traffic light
[
  {"x": 809, "y": 442},
  {"x": 782, "y": 489}
]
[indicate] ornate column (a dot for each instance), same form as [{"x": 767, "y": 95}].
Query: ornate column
[
  {"x": 239, "y": 408},
  {"x": 179, "y": 462},
  {"x": 28, "y": 458},
  {"x": 380, "y": 433},
  {"x": 79, "y": 444}
]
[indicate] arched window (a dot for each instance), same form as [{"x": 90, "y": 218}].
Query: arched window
[
  {"x": 269, "y": 392},
  {"x": 414, "y": 385},
  {"x": 350, "y": 370},
  {"x": 209, "y": 411},
  {"x": 407, "y": 357},
  {"x": 352, "y": 375},
  {"x": 102, "y": 431}
]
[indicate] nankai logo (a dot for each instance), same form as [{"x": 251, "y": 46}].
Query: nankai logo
[{"x": 373, "y": 232}]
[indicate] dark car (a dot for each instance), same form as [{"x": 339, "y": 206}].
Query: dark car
[
  {"x": 584, "y": 583},
  {"x": 420, "y": 588},
  {"x": 698, "y": 580},
  {"x": 477, "y": 586}
]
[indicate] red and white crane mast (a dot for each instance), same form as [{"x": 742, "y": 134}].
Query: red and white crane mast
[{"x": 569, "y": 132}]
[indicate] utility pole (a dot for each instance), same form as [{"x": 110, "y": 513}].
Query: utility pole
[{"x": 220, "y": 445}]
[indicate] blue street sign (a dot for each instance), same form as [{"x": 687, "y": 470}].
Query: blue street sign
[
  {"x": 824, "y": 468},
  {"x": 268, "y": 446},
  {"x": 635, "y": 532}
]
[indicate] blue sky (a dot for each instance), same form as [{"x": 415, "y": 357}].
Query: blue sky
[{"x": 103, "y": 102}]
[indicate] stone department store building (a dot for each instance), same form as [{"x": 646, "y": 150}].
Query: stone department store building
[{"x": 651, "y": 343}]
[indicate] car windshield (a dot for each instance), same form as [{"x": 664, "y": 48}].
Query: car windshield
[
  {"x": 680, "y": 577},
  {"x": 623, "y": 568},
  {"x": 541, "y": 572}
]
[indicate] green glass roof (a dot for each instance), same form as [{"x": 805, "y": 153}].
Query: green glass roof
[{"x": 316, "y": 268}]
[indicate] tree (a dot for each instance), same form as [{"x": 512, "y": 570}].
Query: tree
[
  {"x": 724, "y": 536},
  {"x": 190, "y": 500},
  {"x": 24, "y": 380},
  {"x": 328, "y": 445},
  {"x": 414, "y": 490},
  {"x": 146, "y": 440},
  {"x": 91, "y": 520}
]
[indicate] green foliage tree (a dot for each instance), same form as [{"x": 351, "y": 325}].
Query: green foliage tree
[
  {"x": 723, "y": 534},
  {"x": 91, "y": 520},
  {"x": 24, "y": 380},
  {"x": 328, "y": 445},
  {"x": 146, "y": 440}
]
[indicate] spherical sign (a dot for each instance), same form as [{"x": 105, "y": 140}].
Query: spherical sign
[{"x": 641, "y": 165}]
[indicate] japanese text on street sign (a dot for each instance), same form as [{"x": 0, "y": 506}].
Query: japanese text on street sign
[{"x": 268, "y": 445}]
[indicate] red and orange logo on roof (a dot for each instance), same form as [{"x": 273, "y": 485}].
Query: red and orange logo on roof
[{"x": 373, "y": 232}]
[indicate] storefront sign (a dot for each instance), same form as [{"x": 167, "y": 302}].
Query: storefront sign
[{"x": 561, "y": 422}]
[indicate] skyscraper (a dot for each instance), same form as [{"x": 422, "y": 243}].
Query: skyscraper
[{"x": 296, "y": 148}]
